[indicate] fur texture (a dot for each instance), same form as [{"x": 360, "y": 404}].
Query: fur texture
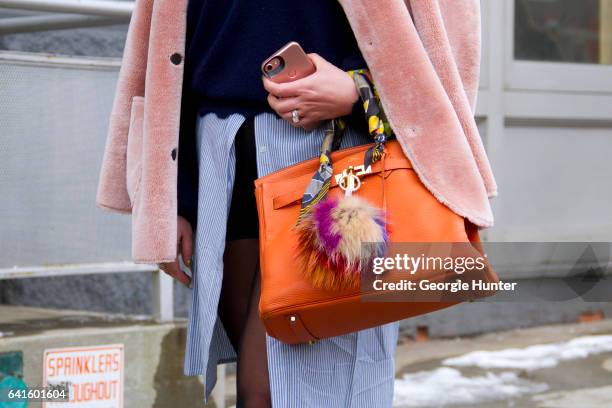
[
  {"x": 338, "y": 239},
  {"x": 424, "y": 57}
]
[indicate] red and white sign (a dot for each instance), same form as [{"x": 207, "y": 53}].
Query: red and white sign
[{"x": 95, "y": 374}]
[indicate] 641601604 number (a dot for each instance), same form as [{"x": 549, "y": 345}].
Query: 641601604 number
[{"x": 51, "y": 393}]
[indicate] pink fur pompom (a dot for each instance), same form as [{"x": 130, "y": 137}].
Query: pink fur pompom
[{"x": 338, "y": 239}]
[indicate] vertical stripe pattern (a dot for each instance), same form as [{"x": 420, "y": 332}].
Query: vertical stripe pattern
[{"x": 353, "y": 370}]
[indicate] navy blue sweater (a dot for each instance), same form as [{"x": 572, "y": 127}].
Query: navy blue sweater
[{"x": 226, "y": 42}]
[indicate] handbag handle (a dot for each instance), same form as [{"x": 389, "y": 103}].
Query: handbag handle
[{"x": 378, "y": 127}]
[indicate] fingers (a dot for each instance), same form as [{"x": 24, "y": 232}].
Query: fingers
[
  {"x": 288, "y": 89},
  {"x": 288, "y": 116},
  {"x": 307, "y": 123},
  {"x": 186, "y": 248},
  {"x": 286, "y": 97},
  {"x": 173, "y": 269},
  {"x": 293, "y": 88},
  {"x": 283, "y": 105}
]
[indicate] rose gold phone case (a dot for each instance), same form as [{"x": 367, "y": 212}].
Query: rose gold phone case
[{"x": 296, "y": 63}]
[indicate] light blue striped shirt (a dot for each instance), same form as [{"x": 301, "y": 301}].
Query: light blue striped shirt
[{"x": 353, "y": 370}]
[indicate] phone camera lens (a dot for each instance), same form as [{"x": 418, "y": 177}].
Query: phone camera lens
[{"x": 273, "y": 66}]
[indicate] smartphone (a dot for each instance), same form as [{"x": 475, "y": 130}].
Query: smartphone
[{"x": 287, "y": 64}]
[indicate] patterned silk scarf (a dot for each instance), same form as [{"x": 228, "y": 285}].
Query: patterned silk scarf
[{"x": 378, "y": 127}]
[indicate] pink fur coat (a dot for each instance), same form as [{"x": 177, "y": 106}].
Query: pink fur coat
[{"x": 424, "y": 56}]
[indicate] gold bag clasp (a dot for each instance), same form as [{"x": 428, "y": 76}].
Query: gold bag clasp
[{"x": 349, "y": 180}]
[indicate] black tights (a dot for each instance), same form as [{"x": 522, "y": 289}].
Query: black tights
[
  {"x": 238, "y": 310},
  {"x": 239, "y": 301}
]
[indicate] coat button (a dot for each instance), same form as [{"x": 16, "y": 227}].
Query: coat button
[
  {"x": 173, "y": 154},
  {"x": 176, "y": 58}
]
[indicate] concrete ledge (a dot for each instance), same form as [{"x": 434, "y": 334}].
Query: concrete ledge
[{"x": 153, "y": 352}]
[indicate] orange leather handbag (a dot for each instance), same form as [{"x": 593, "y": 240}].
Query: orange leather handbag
[{"x": 292, "y": 308}]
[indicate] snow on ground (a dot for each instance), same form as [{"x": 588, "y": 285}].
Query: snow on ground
[
  {"x": 446, "y": 386},
  {"x": 536, "y": 356}
]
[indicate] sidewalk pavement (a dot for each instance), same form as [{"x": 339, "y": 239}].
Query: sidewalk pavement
[
  {"x": 560, "y": 366},
  {"x": 553, "y": 366}
]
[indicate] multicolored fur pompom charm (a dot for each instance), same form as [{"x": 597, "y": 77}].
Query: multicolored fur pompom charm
[{"x": 338, "y": 239}]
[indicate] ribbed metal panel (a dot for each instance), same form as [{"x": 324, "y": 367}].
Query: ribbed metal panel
[{"x": 53, "y": 122}]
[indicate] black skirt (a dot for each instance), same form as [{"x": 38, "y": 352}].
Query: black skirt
[{"x": 242, "y": 221}]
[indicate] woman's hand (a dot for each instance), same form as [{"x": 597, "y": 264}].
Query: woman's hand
[
  {"x": 184, "y": 246},
  {"x": 326, "y": 94}
]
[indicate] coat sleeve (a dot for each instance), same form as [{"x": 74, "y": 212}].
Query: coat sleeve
[{"x": 112, "y": 189}]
